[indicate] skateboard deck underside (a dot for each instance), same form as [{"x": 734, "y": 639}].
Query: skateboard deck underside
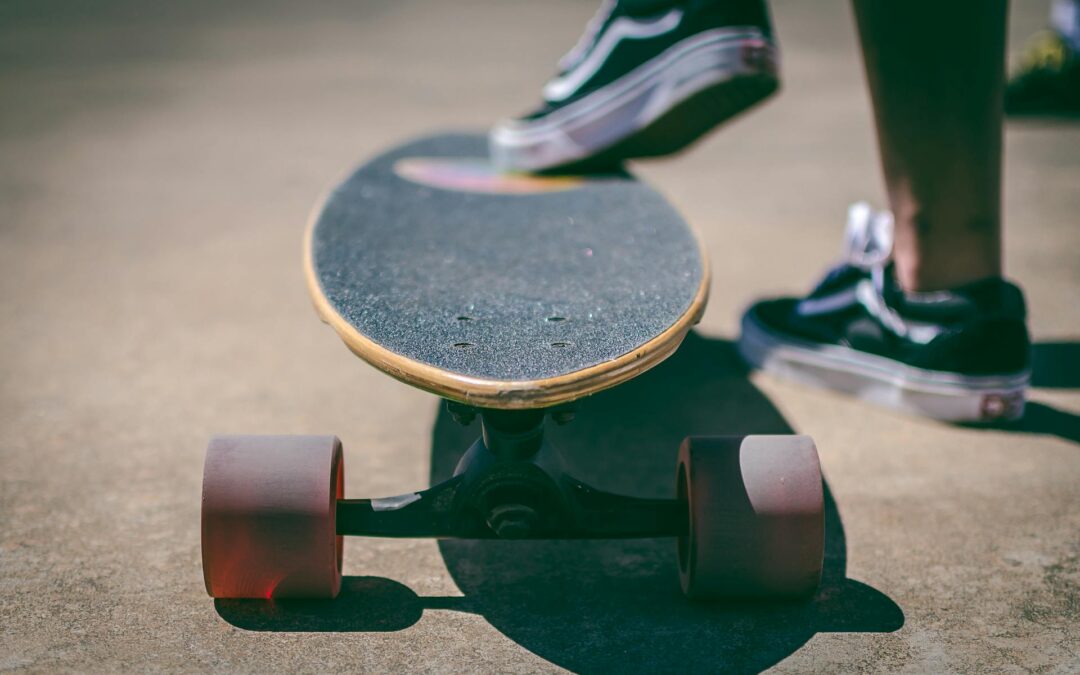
[{"x": 501, "y": 291}]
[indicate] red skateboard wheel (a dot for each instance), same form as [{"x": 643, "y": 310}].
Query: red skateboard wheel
[
  {"x": 269, "y": 507},
  {"x": 756, "y": 525}
]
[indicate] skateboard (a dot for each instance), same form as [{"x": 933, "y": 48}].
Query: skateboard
[{"x": 512, "y": 297}]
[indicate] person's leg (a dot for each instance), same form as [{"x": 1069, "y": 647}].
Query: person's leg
[
  {"x": 936, "y": 73},
  {"x": 917, "y": 316}
]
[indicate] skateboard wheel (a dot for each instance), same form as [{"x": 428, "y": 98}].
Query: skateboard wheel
[
  {"x": 268, "y": 516},
  {"x": 756, "y": 517}
]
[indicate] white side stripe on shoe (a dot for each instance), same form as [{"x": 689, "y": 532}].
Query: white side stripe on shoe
[
  {"x": 874, "y": 304},
  {"x": 867, "y": 296},
  {"x": 828, "y": 304},
  {"x": 622, "y": 28}
]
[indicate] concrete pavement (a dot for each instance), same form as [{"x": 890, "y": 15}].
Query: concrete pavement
[{"x": 157, "y": 163}]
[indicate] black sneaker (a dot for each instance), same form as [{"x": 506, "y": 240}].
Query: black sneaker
[
  {"x": 645, "y": 85},
  {"x": 1048, "y": 82},
  {"x": 960, "y": 355}
]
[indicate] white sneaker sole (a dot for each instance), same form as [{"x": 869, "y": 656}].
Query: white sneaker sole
[
  {"x": 631, "y": 104},
  {"x": 939, "y": 395}
]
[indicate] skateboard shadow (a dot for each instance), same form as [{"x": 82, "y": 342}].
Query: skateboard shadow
[{"x": 597, "y": 606}]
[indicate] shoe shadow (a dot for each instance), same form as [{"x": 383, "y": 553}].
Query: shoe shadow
[
  {"x": 1054, "y": 365},
  {"x": 597, "y": 606},
  {"x": 1040, "y": 418}
]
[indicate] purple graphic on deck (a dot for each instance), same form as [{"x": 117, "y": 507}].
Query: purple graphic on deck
[{"x": 475, "y": 174}]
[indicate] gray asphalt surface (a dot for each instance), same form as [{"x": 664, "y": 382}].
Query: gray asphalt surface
[{"x": 157, "y": 164}]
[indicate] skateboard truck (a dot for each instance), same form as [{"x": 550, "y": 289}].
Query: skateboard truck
[
  {"x": 511, "y": 484},
  {"x": 747, "y": 513}
]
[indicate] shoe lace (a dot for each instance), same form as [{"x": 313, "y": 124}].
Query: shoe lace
[
  {"x": 868, "y": 237},
  {"x": 588, "y": 37},
  {"x": 868, "y": 242}
]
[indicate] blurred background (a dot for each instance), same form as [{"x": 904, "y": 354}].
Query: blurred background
[{"x": 157, "y": 164}]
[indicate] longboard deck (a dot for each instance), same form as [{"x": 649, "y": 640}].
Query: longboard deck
[{"x": 501, "y": 291}]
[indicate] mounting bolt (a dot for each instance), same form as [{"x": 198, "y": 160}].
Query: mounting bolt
[
  {"x": 513, "y": 521},
  {"x": 562, "y": 416},
  {"x": 461, "y": 413}
]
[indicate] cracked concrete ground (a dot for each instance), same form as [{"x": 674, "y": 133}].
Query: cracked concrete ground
[{"x": 157, "y": 163}]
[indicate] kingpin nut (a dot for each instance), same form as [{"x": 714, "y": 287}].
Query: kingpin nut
[{"x": 513, "y": 521}]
